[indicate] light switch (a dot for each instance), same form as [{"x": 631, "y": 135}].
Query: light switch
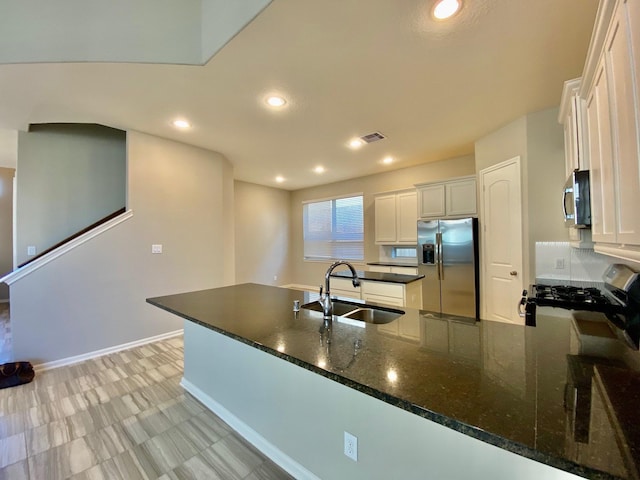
[
  {"x": 156, "y": 248},
  {"x": 31, "y": 250}
]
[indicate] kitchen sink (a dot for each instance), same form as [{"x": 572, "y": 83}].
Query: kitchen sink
[
  {"x": 358, "y": 311},
  {"x": 339, "y": 307},
  {"x": 374, "y": 315}
]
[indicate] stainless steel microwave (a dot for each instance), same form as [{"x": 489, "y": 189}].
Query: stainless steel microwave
[{"x": 576, "y": 200}]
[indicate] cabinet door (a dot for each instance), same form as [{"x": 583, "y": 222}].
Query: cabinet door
[
  {"x": 431, "y": 201},
  {"x": 385, "y": 215},
  {"x": 407, "y": 216},
  {"x": 461, "y": 198},
  {"x": 623, "y": 120},
  {"x": 601, "y": 155},
  {"x": 383, "y": 300}
]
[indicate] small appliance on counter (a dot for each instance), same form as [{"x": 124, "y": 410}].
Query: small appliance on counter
[
  {"x": 448, "y": 259},
  {"x": 618, "y": 299}
]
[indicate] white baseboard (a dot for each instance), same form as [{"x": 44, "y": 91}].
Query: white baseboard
[
  {"x": 267, "y": 448},
  {"x": 105, "y": 351}
]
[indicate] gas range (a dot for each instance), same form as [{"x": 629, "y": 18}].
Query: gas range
[
  {"x": 575, "y": 297},
  {"x": 618, "y": 298}
]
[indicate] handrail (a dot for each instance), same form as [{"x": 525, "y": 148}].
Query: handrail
[
  {"x": 62, "y": 249},
  {"x": 75, "y": 235}
]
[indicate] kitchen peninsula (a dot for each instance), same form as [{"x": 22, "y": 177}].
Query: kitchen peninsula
[{"x": 456, "y": 398}]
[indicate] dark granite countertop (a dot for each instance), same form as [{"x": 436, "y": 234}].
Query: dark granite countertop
[
  {"x": 394, "y": 264},
  {"x": 380, "y": 276},
  {"x": 526, "y": 390}
]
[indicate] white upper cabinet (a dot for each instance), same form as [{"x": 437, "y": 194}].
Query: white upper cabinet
[
  {"x": 454, "y": 198},
  {"x": 573, "y": 118},
  {"x": 395, "y": 216},
  {"x": 611, "y": 89}
]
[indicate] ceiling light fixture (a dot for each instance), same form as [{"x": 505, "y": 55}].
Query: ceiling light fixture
[
  {"x": 279, "y": 179},
  {"x": 356, "y": 143},
  {"x": 181, "y": 124},
  {"x": 387, "y": 160},
  {"x": 444, "y": 9},
  {"x": 319, "y": 169},
  {"x": 276, "y": 101}
]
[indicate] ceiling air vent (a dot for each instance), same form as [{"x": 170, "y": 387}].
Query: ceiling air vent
[{"x": 372, "y": 137}]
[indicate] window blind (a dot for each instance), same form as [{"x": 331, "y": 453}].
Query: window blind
[{"x": 334, "y": 229}]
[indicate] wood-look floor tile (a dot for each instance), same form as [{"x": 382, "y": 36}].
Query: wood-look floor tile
[
  {"x": 42, "y": 414},
  {"x": 197, "y": 468},
  {"x": 269, "y": 471},
  {"x": 12, "y": 449},
  {"x": 12, "y": 424},
  {"x": 52, "y": 464},
  {"x": 80, "y": 424},
  {"x": 233, "y": 455},
  {"x": 153, "y": 421},
  {"x": 46, "y": 436},
  {"x": 15, "y": 471}
]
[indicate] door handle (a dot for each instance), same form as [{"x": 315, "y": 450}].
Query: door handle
[
  {"x": 513, "y": 273},
  {"x": 440, "y": 259}
]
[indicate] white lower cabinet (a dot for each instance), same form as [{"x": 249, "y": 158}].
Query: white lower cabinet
[
  {"x": 393, "y": 269},
  {"x": 384, "y": 293},
  {"x": 394, "y": 294},
  {"x": 343, "y": 287}
]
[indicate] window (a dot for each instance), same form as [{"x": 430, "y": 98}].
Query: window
[
  {"x": 334, "y": 229},
  {"x": 403, "y": 252}
]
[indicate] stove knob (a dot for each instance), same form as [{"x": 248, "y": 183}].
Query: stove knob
[{"x": 524, "y": 293}]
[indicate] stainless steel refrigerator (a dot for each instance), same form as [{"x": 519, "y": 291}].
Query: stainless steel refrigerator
[{"x": 448, "y": 259}]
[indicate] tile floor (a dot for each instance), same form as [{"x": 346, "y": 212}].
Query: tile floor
[{"x": 120, "y": 416}]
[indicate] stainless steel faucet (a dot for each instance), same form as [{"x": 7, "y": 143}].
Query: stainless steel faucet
[{"x": 325, "y": 298}]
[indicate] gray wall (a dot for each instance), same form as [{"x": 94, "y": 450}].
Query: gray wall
[
  {"x": 304, "y": 415},
  {"x": 312, "y": 273},
  {"x": 538, "y": 139},
  {"x": 262, "y": 224},
  {"x": 94, "y": 296},
  {"x": 69, "y": 176},
  {"x": 6, "y": 226}
]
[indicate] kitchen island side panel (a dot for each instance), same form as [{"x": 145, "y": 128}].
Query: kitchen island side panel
[{"x": 303, "y": 416}]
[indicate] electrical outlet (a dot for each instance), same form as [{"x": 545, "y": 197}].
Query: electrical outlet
[
  {"x": 275, "y": 278},
  {"x": 31, "y": 250},
  {"x": 156, "y": 248},
  {"x": 559, "y": 263},
  {"x": 351, "y": 446}
]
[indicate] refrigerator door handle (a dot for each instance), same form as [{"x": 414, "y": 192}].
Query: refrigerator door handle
[{"x": 439, "y": 261}]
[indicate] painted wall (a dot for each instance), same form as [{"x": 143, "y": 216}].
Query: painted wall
[
  {"x": 8, "y": 148},
  {"x": 312, "y": 273},
  {"x": 6, "y": 226},
  {"x": 545, "y": 180},
  {"x": 538, "y": 139},
  {"x": 298, "y": 417},
  {"x": 94, "y": 296},
  {"x": 69, "y": 177},
  {"x": 262, "y": 223}
]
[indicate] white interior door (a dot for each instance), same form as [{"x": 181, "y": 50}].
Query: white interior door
[{"x": 501, "y": 240}]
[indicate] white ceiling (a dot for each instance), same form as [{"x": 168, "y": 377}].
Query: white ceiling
[{"x": 347, "y": 67}]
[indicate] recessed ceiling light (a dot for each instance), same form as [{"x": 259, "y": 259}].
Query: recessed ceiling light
[
  {"x": 181, "y": 124},
  {"x": 276, "y": 101},
  {"x": 356, "y": 143},
  {"x": 387, "y": 160},
  {"x": 319, "y": 169},
  {"x": 279, "y": 179},
  {"x": 446, "y": 8}
]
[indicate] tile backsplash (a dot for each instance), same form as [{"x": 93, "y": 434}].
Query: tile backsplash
[{"x": 559, "y": 261}]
